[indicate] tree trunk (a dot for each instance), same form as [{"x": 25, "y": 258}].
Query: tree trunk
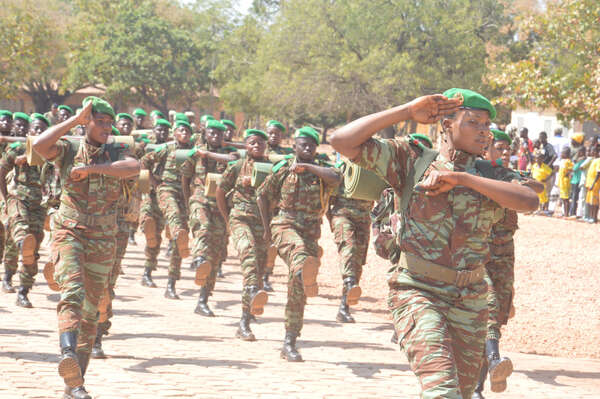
[
  {"x": 44, "y": 95},
  {"x": 324, "y": 135}
]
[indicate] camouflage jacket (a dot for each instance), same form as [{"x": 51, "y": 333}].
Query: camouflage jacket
[
  {"x": 451, "y": 229},
  {"x": 196, "y": 168},
  {"x": 299, "y": 197},
  {"x": 25, "y": 180},
  {"x": 503, "y": 232},
  {"x": 162, "y": 164},
  {"x": 279, "y": 150},
  {"x": 243, "y": 195},
  {"x": 93, "y": 197}
]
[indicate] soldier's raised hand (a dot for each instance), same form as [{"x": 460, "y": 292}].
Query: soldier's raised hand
[{"x": 429, "y": 109}]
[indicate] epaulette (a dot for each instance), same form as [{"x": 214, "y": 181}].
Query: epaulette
[
  {"x": 497, "y": 163},
  {"x": 160, "y": 147},
  {"x": 322, "y": 157},
  {"x": 280, "y": 164},
  {"x": 416, "y": 143},
  {"x": 326, "y": 164},
  {"x": 16, "y": 144},
  {"x": 232, "y": 162},
  {"x": 192, "y": 151},
  {"x": 339, "y": 164}
]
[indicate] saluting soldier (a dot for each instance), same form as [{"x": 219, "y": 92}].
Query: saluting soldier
[
  {"x": 83, "y": 245},
  {"x": 140, "y": 116},
  {"x": 437, "y": 289}
]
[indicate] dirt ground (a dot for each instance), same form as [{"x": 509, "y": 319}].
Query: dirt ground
[{"x": 557, "y": 284}]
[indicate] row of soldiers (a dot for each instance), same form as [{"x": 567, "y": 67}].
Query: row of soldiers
[{"x": 431, "y": 304}]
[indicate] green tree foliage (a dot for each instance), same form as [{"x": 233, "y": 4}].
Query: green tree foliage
[{"x": 561, "y": 68}]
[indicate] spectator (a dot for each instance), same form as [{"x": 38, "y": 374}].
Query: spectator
[
  {"x": 593, "y": 187},
  {"x": 526, "y": 149},
  {"x": 558, "y": 141},
  {"x": 541, "y": 172},
  {"x": 564, "y": 179},
  {"x": 577, "y": 182}
]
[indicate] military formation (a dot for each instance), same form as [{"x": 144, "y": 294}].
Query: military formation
[{"x": 445, "y": 219}]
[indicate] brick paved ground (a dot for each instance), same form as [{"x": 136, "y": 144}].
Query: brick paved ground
[{"x": 159, "y": 348}]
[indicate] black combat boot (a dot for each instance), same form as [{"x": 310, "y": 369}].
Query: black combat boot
[
  {"x": 499, "y": 368},
  {"x": 68, "y": 366},
  {"x": 202, "y": 307},
  {"x": 79, "y": 392},
  {"x": 7, "y": 282},
  {"x": 97, "y": 351},
  {"x": 344, "y": 315},
  {"x": 170, "y": 247},
  {"x": 289, "y": 351},
  {"x": 266, "y": 283},
  {"x": 478, "y": 394},
  {"x": 22, "y": 299},
  {"x": 244, "y": 332},
  {"x": 132, "y": 238},
  {"x": 170, "y": 293},
  {"x": 147, "y": 278},
  {"x": 258, "y": 300},
  {"x": 220, "y": 271},
  {"x": 352, "y": 291}
]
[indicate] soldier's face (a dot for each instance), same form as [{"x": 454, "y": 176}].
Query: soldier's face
[
  {"x": 5, "y": 124},
  {"x": 499, "y": 149},
  {"x": 161, "y": 132},
  {"x": 63, "y": 115},
  {"x": 228, "y": 136},
  {"x": 214, "y": 137},
  {"x": 256, "y": 146},
  {"x": 274, "y": 136},
  {"x": 139, "y": 120},
  {"x": 124, "y": 126},
  {"x": 99, "y": 128},
  {"x": 20, "y": 127},
  {"x": 469, "y": 131},
  {"x": 306, "y": 148},
  {"x": 183, "y": 134},
  {"x": 79, "y": 130},
  {"x": 37, "y": 127}
]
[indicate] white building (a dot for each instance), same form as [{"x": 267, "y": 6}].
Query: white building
[{"x": 537, "y": 121}]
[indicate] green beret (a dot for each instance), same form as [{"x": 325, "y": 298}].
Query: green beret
[
  {"x": 115, "y": 131},
  {"x": 139, "y": 112},
  {"x": 21, "y": 115},
  {"x": 255, "y": 132},
  {"x": 308, "y": 131},
  {"x": 426, "y": 141},
  {"x": 124, "y": 115},
  {"x": 66, "y": 107},
  {"x": 228, "y": 123},
  {"x": 207, "y": 117},
  {"x": 157, "y": 113},
  {"x": 182, "y": 123},
  {"x": 4, "y": 113},
  {"x": 162, "y": 122},
  {"x": 472, "y": 99},
  {"x": 99, "y": 105},
  {"x": 214, "y": 124},
  {"x": 277, "y": 124},
  {"x": 499, "y": 135},
  {"x": 180, "y": 116},
  {"x": 41, "y": 117}
]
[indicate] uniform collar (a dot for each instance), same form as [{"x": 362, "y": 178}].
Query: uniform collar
[{"x": 460, "y": 161}]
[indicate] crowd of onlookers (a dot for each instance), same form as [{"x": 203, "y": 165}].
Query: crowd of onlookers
[{"x": 569, "y": 167}]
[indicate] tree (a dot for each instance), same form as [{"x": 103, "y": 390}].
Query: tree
[{"x": 561, "y": 68}]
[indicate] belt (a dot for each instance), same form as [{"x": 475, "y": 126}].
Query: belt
[
  {"x": 422, "y": 267},
  {"x": 109, "y": 220}
]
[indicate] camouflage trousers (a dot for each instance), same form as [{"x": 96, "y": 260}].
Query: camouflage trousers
[
  {"x": 295, "y": 242},
  {"x": 500, "y": 276},
  {"x": 84, "y": 259},
  {"x": 442, "y": 338},
  {"x": 151, "y": 210},
  {"x": 209, "y": 237},
  {"x": 247, "y": 232},
  {"x": 351, "y": 235},
  {"x": 25, "y": 217},
  {"x": 122, "y": 240}
]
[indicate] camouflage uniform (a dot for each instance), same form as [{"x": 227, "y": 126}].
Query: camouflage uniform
[
  {"x": 440, "y": 326},
  {"x": 83, "y": 246},
  {"x": 25, "y": 213},
  {"x": 246, "y": 226},
  {"x": 206, "y": 223},
  {"x": 167, "y": 206},
  {"x": 296, "y": 228}
]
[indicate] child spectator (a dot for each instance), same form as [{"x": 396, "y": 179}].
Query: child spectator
[
  {"x": 564, "y": 179},
  {"x": 541, "y": 172},
  {"x": 593, "y": 187},
  {"x": 577, "y": 182}
]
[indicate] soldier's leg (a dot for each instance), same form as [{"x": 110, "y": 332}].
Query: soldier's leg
[
  {"x": 33, "y": 224},
  {"x": 443, "y": 343},
  {"x": 11, "y": 262},
  {"x": 199, "y": 221},
  {"x": 218, "y": 244},
  {"x": 173, "y": 209},
  {"x": 152, "y": 225}
]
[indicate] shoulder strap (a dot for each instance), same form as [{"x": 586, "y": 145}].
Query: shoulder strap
[
  {"x": 415, "y": 174},
  {"x": 68, "y": 159}
]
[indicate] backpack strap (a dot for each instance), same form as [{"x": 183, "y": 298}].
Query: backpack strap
[{"x": 415, "y": 174}]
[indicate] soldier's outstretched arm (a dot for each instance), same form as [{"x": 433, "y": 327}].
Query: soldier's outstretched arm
[
  {"x": 329, "y": 175},
  {"x": 220, "y": 158},
  {"x": 123, "y": 169},
  {"x": 45, "y": 143},
  {"x": 427, "y": 109}
]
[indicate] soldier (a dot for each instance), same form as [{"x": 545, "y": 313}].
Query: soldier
[
  {"x": 350, "y": 223},
  {"x": 5, "y": 122},
  {"x": 437, "y": 290},
  {"x": 140, "y": 116},
  {"x": 246, "y": 227},
  {"x": 166, "y": 176},
  {"x": 156, "y": 115},
  {"x": 500, "y": 276},
  {"x": 275, "y": 131},
  {"x": 64, "y": 113},
  {"x": 52, "y": 115},
  {"x": 192, "y": 120},
  {"x": 299, "y": 188},
  {"x": 25, "y": 214},
  {"x": 209, "y": 248},
  {"x": 83, "y": 244}
]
